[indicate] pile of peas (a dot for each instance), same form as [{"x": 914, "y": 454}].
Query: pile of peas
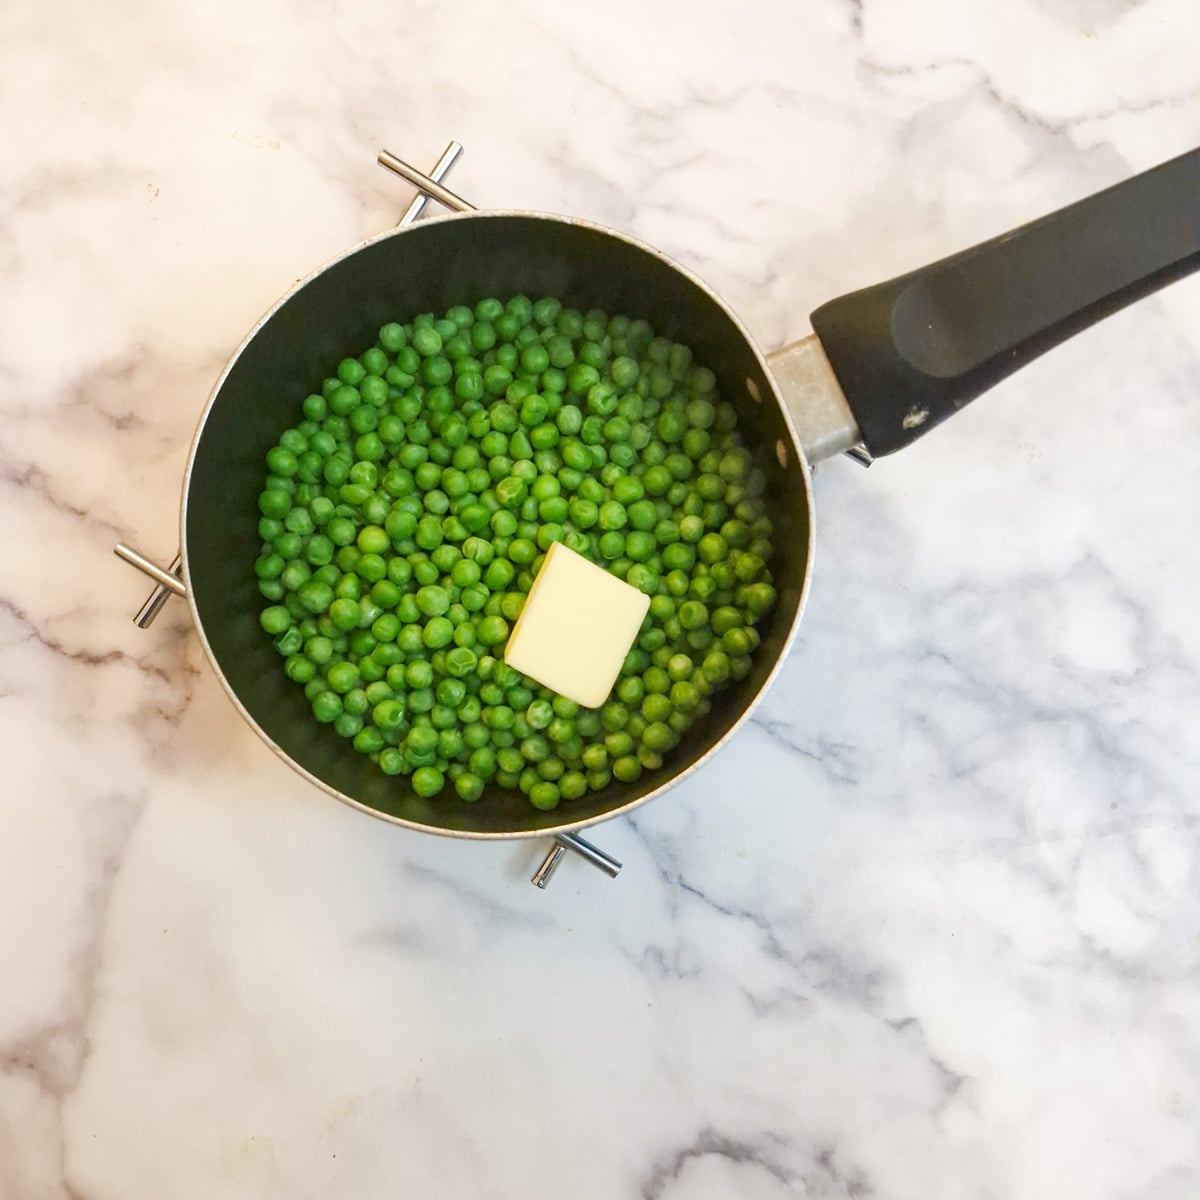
[{"x": 404, "y": 519}]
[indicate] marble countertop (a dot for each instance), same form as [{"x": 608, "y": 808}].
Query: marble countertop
[{"x": 930, "y": 927}]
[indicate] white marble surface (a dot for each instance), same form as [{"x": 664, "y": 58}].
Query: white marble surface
[{"x": 930, "y": 929}]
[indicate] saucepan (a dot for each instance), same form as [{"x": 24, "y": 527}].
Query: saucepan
[{"x": 883, "y": 367}]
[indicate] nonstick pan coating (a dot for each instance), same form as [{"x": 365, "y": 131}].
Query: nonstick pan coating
[{"x": 337, "y": 312}]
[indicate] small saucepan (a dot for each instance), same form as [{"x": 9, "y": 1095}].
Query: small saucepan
[{"x": 883, "y": 367}]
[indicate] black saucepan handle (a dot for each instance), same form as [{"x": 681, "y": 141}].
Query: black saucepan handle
[{"x": 911, "y": 352}]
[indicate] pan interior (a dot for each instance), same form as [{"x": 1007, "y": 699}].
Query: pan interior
[{"x": 337, "y": 312}]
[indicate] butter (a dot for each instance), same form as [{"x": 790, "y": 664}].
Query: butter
[{"x": 578, "y": 624}]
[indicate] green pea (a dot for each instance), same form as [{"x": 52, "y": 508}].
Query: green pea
[
  {"x": 421, "y": 743},
  {"x": 371, "y": 567},
  {"x": 572, "y": 785},
  {"x": 735, "y": 642},
  {"x": 275, "y": 620},
  {"x": 535, "y": 359},
  {"x": 642, "y": 513},
  {"x": 320, "y": 649},
  {"x": 712, "y": 548},
  {"x": 612, "y": 545},
  {"x": 760, "y": 598},
  {"x": 399, "y": 524},
  {"x": 496, "y": 380},
  {"x": 535, "y": 748},
  {"x": 387, "y": 714},
  {"x": 478, "y": 551},
  {"x": 372, "y": 540},
  {"x": 392, "y": 337},
  {"x": 432, "y": 600},
  {"x": 576, "y": 541},
  {"x": 612, "y": 515},
  {"x": 560, "y": 729},
  {"x": 656, "y": 480},
  {"x": 492, "y": 631},
  {"x": 342, "y": 676},
  {"x": 327, "y": 707},
  {"x": 344, "y": 614},
  {"x": 716, "y": 667},
  {"x": 747, "y": 567},
  {"x": 469, "y": 787},
  {"x": 385, "y": 628},
  {"x": 725, "y": 618},
  {"x": 460, "y": 662},
  {"x": 428, "y": 781},
  {"x": 498, "y": 716},
  {"x": 340, "y": 531},
  {"x": 475, "y": 734},
  {"x": 473, "y": 600},
  {"x": 289, "y": 641},
  {"x": 627, "y": 769},
  {"x": 299, "y": 669},
  {"x": 544, "y": 795},
  {"x": 465, "y": 572},
  {"x": 583, "y": 513},
  {"x": 680, "y": 666},
  {"x": 269, "y": 528},
  {"x": 482, "y": 762},
  {"x": 426, "y": 341},
  {"x": 428, "y": 534},
  {"x": 281, "y": 461},
  {"x": 418, "y": 674},
  {"x": 499, "y": 574},
  {"x": 624, "y": 371},
  {"x": 348, "y": 724},
  {"x": 551, "y": 768},
  {"x": 392, "y": 761},
  {"x": 510, "y": 492},
  {"x": 274, "y": 503},
  {"x": 547, "y": 535},
  {"x": 639, "y": 545},
  {"x": 522, "y": 551},
  {"x": 315, "y": 407},
  {"x": 439, "y": 632},
  {"x": 315, "y": 596}
]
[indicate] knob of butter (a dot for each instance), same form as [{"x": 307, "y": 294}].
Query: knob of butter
[{"x": 577, "y": 625}]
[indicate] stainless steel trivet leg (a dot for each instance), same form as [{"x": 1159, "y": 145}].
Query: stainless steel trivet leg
[
  {"x": 428, "y": 185},
  {"x": 449, "y": 155},
  {"x": 145, "y": 615},
  {"x": 571, "y": 841},
  {"x": 169, "y": 582}
]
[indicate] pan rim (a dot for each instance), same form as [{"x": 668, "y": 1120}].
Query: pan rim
[{"x": 567, "y": 826}]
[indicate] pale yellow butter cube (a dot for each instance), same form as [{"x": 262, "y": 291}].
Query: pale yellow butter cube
[{"x": 577, "y": 625}]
